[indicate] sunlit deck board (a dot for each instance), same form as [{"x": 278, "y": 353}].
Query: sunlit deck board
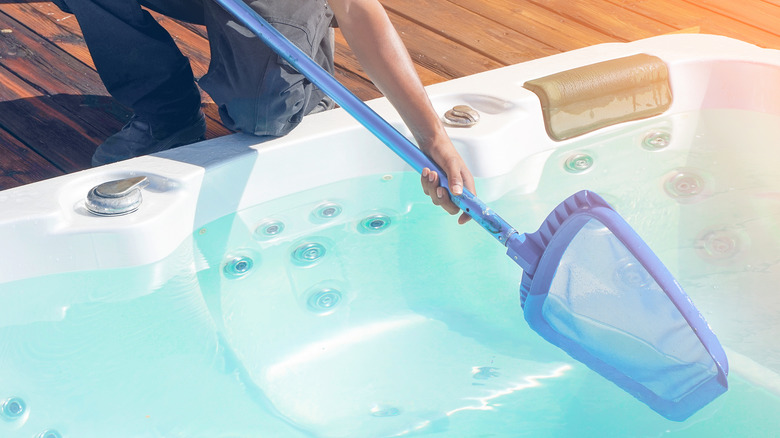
[{"x": 54, "y": 109}]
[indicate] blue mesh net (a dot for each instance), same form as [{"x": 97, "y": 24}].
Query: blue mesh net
[{"x": 603, "y": 299}]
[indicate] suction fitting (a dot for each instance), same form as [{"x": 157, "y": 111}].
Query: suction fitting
[
  {"x": 13, "y": 408},
  {"x": 633, "y": 274},
  {"x": 49, "y": 433},
  {"x": 116, "y": 198},
  {"x": 719, "y": 244},
  {"x": 684, "y": 185},
  {"x": 324, "y": 301},
  {"x": 328, "y": 211},
  {"x": 656, "y": 140},
  {"x": 578, "y": 163},
  {"x": 325, "y": 213},
  {"x": 375, "y": 223},
  {"x": 238, "y": 266},
  {"x": 269, "y": 229},
  {"x": 462, "y": 116},
  {"x": 308, "y": 253}
]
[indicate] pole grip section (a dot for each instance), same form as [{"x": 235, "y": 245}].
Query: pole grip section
[{"x": 385, "y": 132}]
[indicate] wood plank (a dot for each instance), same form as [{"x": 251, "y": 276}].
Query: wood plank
[
  {"x": 64, "y": 95},
  {"x": 43, "y": 64},
  {"x": 436, "y": 58},
  {"x": 54, "y": 110},
  {"x": 45, "y": 126},
  {"x": 344, "y": 59},
  {"x": 54, "y": 129},
  {"x": 49, "y": 21},
  {"x": 755, "y": 13},
  {"x": 196, "y": 28},
  {"x": 473, "y": 31},
  {"x": 21, "y": 165},
  {"x": 64, "y": 80},
  {"x": 62, "y": 30},
  {"x": 439, "y": 54},
  {"x": 620, "y": 24},
  {"x": 683, "y": 15},
  {"x": 349, "y": 72},
  {"x": 538, "y": 23},
  {"x": 359, "y": 86}
]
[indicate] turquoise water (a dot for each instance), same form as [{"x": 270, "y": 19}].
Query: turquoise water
[{"x": 358, "y": 309}]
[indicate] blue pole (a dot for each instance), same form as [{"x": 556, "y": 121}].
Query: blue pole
[{"x": 467, "y": 202}]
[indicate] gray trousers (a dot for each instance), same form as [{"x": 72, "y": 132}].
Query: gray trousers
[{"x": 255, "y": 90}]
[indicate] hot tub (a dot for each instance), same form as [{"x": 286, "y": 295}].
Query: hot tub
[{"x": 306, "y": 287}]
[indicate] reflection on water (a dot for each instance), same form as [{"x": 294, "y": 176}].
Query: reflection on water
[{"x": 331, "y": 314}]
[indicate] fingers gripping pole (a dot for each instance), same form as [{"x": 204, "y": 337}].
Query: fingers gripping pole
[{"x": 398, "y": 143}]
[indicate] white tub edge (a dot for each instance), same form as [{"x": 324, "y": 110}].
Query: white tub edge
[{"x": 43, "y": 225}]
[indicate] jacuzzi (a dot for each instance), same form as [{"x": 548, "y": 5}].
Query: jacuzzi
[{"x": 306, "y": 286}]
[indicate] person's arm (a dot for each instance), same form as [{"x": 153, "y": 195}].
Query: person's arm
[{"x": 376, "y": 44}]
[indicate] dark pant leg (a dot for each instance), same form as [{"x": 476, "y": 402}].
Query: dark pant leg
[
  {"x": 256, "y": 91},
  {"x": 137, "y": 59}
]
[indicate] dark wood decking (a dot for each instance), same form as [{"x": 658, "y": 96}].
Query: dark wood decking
[{"x": 54, "y": 110}]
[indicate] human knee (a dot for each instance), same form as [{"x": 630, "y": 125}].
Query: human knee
[
  {"x": 267, "y": 96},
  {"x": 286, "y": 98}
]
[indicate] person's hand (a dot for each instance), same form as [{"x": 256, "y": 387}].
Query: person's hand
[
  {"x": 444, "y": 154},
  {"x": 375, "y": 42}
]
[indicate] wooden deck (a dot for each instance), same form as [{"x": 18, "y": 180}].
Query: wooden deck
[{"x": 54, "y": 110}]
